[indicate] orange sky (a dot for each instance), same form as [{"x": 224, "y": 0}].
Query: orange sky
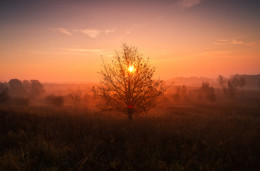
[{"x": 62, "y": 41}]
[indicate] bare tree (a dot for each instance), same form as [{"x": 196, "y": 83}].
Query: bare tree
[
  {"x": 75, "y": 97},
  {"x": 181, "y": 93},
  {"x": 208, "y": 92},
  {"x": 127, "y": 83},
  {"x": 221, "y": 80},
  {"x": 231, "y": 84}
]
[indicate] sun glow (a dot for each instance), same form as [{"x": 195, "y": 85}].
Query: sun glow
[{"x": 131, "y": 68}]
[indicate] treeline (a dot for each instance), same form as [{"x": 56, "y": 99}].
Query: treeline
[
  {"x": 228, "y": 87},
  {"x": 27, "y": 92},
  {"x": 16, "y": 88},
  {"x": 232, "y": 84},
  {"x": 23, "y": 92}
]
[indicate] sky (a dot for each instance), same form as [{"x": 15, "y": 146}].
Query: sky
[{"x": 63, "y": 40}]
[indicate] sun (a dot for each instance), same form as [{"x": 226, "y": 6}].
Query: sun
[{"x": 131, "y": 68}]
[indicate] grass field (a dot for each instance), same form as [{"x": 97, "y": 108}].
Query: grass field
[{"x": 218, "y": 136}]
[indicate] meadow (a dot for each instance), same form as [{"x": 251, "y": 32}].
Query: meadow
[{"x": 223, "y": 135}]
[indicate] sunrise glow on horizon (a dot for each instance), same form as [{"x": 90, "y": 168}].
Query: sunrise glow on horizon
[{"x": 63, "y": 41}]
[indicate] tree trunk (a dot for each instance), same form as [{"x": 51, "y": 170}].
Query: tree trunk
[{"x": 130, "y": 113}]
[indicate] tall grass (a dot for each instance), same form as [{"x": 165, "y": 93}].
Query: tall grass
[{"x": 202, "y": 137}]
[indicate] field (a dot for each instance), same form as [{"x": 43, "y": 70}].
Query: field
[{"x": 202, "y": 136}]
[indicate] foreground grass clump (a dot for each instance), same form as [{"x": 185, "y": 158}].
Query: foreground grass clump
[{"x": 216, "y": 137}]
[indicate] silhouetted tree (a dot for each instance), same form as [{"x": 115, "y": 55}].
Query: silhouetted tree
[
  {"x": 16, "y": 88},
  {"x": 3, "y": 91},
  {"x": 221, "y": 80},
  {"x": 208, "y": 92},
  {"x": 26, "y": 86},
  {"x": 75, "y": 97},
  {"x": 36, "y": 88},
  {"x": 127, "y": 83},
  {"x": 231, "y": 84},
  {"x": 180, "y": 93}
]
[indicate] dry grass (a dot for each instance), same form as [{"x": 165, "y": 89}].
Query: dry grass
[{"x": 221, "y": 136}]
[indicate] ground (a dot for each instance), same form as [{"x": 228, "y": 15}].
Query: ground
[{"x": 201, "y": 136}]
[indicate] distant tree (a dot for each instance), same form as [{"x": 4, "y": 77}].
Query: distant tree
[
  {"x": 127, "y": 83},
  {"x": 221, "y": 80},
  {"x": 205, "y": 86},
  {"x": 208, "y": 92},
  {"x": 3, "y": 91},
  {"x": 183, "y": 90},
  {"x": 36, "y": 88},
  {"x": 180, "y": 93},
  {"x": 16, "y": 88},
  {"x": 26, "y": 86},
  {"x": 75, "y": 97},
  {"x": 231, "y": 84}
]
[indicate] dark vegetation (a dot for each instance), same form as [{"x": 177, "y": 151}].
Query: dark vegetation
[
  {"x": 207, "y": 92},
  {"x": 192, "y": 128},
  {"x": 55, "y": 100},
  {"x": 232, "y": 84}
]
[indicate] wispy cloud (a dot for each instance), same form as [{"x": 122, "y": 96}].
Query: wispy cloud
[
  {"x": 61, "y": 30},
  {"x": 110, "y": 31},
  {"x": 183, "y": 4},
  {"x": 93, "y": 33},
  {"x": 188, "y": 3},
  {"x": 64, "y": 31},
  {"x": 85, "y": 50},
  {"x": 237, "y": 42},
  {"x": 232, "y": 41},
  {"x": 214, "y": 52},
  {"x": 141, "y": 25}
]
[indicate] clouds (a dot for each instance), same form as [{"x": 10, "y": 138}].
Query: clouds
[
  {"x": 61, "y": 30},
  {"x": 85, "y": 50},
  {"x": 110, "y": 31},
  {"x": 237, "y": 42},
  {"x": 233, "y": 41},
  {"x": 183, "y": 4},
  {"x": 188, "y": 3},
  {"x": 91, "y": 33}
]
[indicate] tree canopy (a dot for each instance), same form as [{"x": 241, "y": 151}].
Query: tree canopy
[{"x": 127, "y": 83}]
